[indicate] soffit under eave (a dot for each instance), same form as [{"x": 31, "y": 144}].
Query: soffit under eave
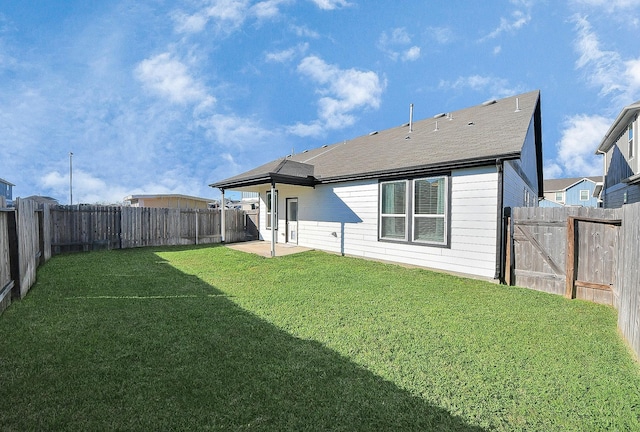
[{"x": 618, "y": 127}]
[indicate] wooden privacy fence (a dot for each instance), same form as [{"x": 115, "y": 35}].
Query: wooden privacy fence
[
  {"x": 585, "y": 253},
  {"x": 24, "y": 245},
  {"x": 84, "y": 227},
  {"x": 30, "y": 232}
]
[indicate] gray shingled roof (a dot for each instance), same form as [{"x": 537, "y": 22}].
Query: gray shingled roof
[
  {"x": 557, "y": 185},
  {"x": 467, "y": 137}
]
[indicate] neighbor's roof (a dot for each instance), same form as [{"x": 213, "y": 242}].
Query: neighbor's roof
[
  {"x": 557, "y": 185},
  {"x": 469, "y": 137},
  {"x": 619, "y": 126},
  {"x": 6, "y": 182},
  {"x": 162, "y": 196}
]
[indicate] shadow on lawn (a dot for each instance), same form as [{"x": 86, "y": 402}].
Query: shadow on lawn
[{"x": 204, "y": 363}]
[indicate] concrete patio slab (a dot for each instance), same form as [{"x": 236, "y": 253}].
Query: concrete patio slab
[{"x": 263, "y": 248}]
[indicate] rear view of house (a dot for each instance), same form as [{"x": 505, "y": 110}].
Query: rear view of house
[{"x": 430, "y": 193}]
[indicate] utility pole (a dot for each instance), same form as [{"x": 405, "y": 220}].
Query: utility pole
[{"x": 70, "y": 178}]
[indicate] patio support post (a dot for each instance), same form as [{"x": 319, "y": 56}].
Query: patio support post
[
  {"x": 223, "y": 221},
  {"x": 274, "y": 220}
]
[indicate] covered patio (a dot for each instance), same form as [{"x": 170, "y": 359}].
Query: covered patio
[{"x": 264, "y": 248}]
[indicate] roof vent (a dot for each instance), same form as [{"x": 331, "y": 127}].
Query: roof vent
[
  {"x": 471, "y": 124},
  {"x": 439, "y": 115},
  {"x": 436, "y": 126},
  {"x": 410, "y": 117},
  {"x": 325, "y": 146},
  {"x": 373, "y": 133},
  {"x": 305, "y": 151},
  {"x": 489, "y": 102},
  {"x": 407, "y": 137},
  {"x": 517, "y": 105},
  {"x": 405, "y": 124}
]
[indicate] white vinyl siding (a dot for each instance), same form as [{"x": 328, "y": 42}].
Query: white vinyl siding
[{"x": 343, "y": 218}]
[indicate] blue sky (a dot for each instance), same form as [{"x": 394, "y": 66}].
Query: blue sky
[{"x": 155, "y": 96}]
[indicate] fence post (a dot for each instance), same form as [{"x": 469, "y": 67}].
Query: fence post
[
  {"x": 508, "y": 255},
  {"x": 14, "y": 255},
  {"x": 571, "y": 258}
]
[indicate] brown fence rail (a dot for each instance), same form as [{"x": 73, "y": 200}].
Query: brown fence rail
[{"x": 584, "y": 253}]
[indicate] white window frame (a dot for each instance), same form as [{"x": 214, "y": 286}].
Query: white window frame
[
  {"x": 586, "y": 191},
  {"x": 561, "y": 195},
  {"x": 404, "y": 215},
  {"x": 268, "y": 211},
  {"x": 435, "y": 216},
  {"x": 631, "y": 148},
  {"x": 410, "y": 214}
]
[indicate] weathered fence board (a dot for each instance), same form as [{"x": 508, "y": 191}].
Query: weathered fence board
[
  {"x": 29, "y": 253},
  {"x": 628, "y": 275},
  {"x": 83, "y": 228},
  {"x": 6, "y": 281},
  {"x": 596, "y": 250},
  {"x": 541, "y": 259}
]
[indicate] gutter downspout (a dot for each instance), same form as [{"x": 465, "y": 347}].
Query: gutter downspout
[
  {"x": 500, "y": 248},
  {"x": 274, "y": 220},
  {"x": 604, "y": 175},
  {"x": 223, "y": 222}
]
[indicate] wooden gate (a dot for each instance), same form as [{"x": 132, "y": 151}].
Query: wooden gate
[{"x": 565, "y": 251}]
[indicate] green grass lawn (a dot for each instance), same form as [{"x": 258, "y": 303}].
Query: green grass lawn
[{"x": 214, "y": 339}]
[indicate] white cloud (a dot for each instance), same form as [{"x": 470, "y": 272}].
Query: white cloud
[
  {"x": 228, "y": 15},
  {"x": 331, "y": 4},
  {"x": 610, "y": 5},
  {"x": 517, "y": 20},
  {"x": 235, "y": 131},
  {"x": 632, "y": 75},
  {"x": 442, "y": 35},
  {"x": 497, "y": 87},
  {"x": 580, "y": 137},
  {"x": 394, "y": 43},
  {"x": 287, "y": 55},
  {"x": 551, "y": 170},
  {"x": 170, "y": 78},
  {"x": 314, "y": 129},
  {"x": 604, "y": 66},
  {"x": 606, "y": 69},
  {"x": 411, "y": 54},
  {"x": 303, "y": 31},
  {"x": 87, "y": 188},
  {"x": 343, "y": 91},
  {"x": 268, "y": 9}
]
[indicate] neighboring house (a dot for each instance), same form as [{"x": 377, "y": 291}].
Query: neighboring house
[
  {"x": 250, "y": 200},
  {"x": 571, "y": 192},
  {"x": 6, "y": 191},
  {"x": 621, "y": 167},
  {"x": 430, "y": 193},
  {"x": 43, "y": 199},
  {"x": 168, "y": 201}
]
